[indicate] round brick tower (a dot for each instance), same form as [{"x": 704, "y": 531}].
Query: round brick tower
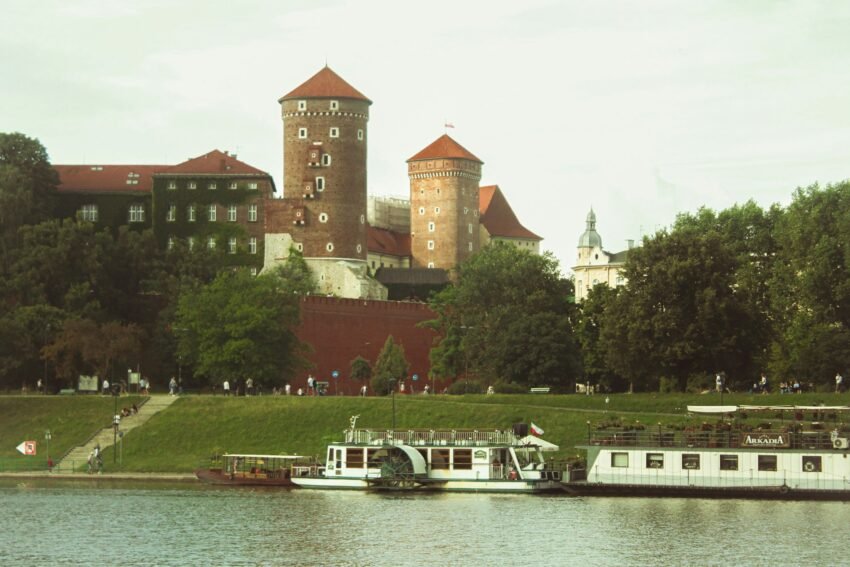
[
  {"x": 444, "y": 222},
  {"x": 324, "y": 166}
]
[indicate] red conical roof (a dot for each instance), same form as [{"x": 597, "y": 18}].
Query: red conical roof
[
  {"x": 445, "y": 147},
  {"x": 325, "y": 84}
]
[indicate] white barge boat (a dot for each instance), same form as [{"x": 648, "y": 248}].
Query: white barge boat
[
  {"x": 480, "y": 460},
  {"x": 723, "y": 460}
]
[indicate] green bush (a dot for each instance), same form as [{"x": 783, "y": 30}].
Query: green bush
[
  {"x": 509, "y": 388},
  {"x": 466, "y": 387}
]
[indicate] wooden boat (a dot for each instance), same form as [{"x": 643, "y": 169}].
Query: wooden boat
[
  {"x": 723, "y": 460},
  {"x": 480, "y": 460},
  {"x": 249, "y": 470}
]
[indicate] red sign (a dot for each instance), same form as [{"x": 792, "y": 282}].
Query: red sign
[{"x": 27, "y": 448}]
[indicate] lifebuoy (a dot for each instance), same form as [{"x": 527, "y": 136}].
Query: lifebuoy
[
  {"x": 838, "y": 443},
  {"x": 809, "y": 466},
  {"x": 784, "y": 489}
]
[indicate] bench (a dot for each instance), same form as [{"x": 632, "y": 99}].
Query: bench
[
  {"x": 67, "y": 392},
  {"x": 541, "y": 390}
]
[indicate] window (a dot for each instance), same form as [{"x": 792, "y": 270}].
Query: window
[
  {"x": 326, "y": 159},
  {"x": 690, "y": 461},
  {"x": 360, "y": 134},
  {"x": 211, "y": 213},
  {"x": 767, "y": 462},
  {"x": 212, "y": 186},
  {"x": 302, "y": 105},
  {"x": 362, "y": 219},
  {"x": 233, "y": 185},
  {"x": 252, "y": 186},
  {"x": 430, "y": 265},
  {"x": 323, "y": 217},
  {"x": 812, "y": 464},
  {"x": 191, "y": 242},
  {"x": 329, "y": 247},
  {"x": 302, "y": 133},
  {"x": 231, "y": 213},
  {"x": 430, "y": 245},
  {"x": 211, "y": 243},
  {"x": 320, "y": 184},
  {"x": 619, "y": 460},
  {"x": 437, "y": 209},
  {"x": 469, "y": 227},
  {"x": 354, "y": 458},
  {"x": 466, "y": 210},
  {"x": 190, "y": 213},
  {"x": 170, "y": 244},
  {"x": 172, "y": 185},
  {"x": 440, "y": 458},
  {"x": 359, "y": 248},
  {"x": 462, "y": 459},
  {"x": 655, "y": 460},
  {"x": 728, "y": 462},
  {"x": 432, "y": 227},
  {"x": 470, "y": 246},
  {"x": 193, "y": 185},
  {"x": 421, "y": 210},
  {"x": 172, "y": 213},
  {"x": 334, "y": 105},
  {"x": 252, "y": 245},
  {"x": 253, "y": 271},
  {"x": 299, "y": 247},
  {"x": 231, "y": 245},
  {"x": 137, "y": 213},
  {"x": 252, "y": 213},
  {"x": 88, "y": 213},
  {"x": 334, "y": 133}
]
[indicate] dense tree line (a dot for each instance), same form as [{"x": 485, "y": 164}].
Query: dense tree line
[
  {"x": 745, "y": 291},
  {"x": 75, "y": 299}
]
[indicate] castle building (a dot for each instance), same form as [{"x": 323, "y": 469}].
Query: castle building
[
  {"x": 499, "y": 223},
  {"x": 594, "y": 265},
  {"x": 444, "y": 214}
]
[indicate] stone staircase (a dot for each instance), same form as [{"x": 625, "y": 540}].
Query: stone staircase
[{"x": 78, "y": 457}]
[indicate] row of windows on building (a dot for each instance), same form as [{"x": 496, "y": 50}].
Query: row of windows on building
[
  {"x": 212, "y": 213},
  {"x": 212, "y": 186},
  {"x": 333, "y": 105},
  {"x": 212, "y": 242},
  {"x": 691, "y": 461},
  {"x": 333, "y": 132},
  {"x": 136, "y": 213}
]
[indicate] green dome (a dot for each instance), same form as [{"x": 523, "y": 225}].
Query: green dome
[{"x": 590, "y": 238}]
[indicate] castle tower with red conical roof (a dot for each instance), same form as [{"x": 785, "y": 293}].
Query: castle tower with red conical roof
[
  {"x": 444, "y": 222},
  {"x": 324, "y": 163}
]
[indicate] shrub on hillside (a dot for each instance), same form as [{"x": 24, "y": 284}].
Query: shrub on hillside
[
  {"x": 465, "y": 387},
  {"x": 509, "y": 388}
]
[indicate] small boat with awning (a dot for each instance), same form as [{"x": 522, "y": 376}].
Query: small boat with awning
[
  {"x": 472, "y": 460},
  {"x": 238, "y": 469}
]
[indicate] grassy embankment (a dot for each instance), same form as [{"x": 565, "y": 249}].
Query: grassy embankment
[
  {"x": 184, "y": 435},
  {"x": 70, "y": 419}
]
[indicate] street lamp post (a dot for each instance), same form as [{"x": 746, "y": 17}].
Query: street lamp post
[
  {"x": 393, "y": 384},
  {"x": 116, "y": 389},
  {"x": 47, "y": 437}
]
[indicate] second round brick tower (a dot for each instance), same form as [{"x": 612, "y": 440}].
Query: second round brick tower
[
  {"x": 444, "y": 221},
  {"x": 324, "y": 163}
]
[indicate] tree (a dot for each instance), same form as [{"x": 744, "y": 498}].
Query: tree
[
  {"x": 507, "y": 318},
  {"x": 27, "y": 183},
  {"x": 296, "y": 274},
  {"x": 360, "y": 369},
  {"x": 24, "y": 332},
  {"x": 240, "y": 326},
  {"x": 390, "y": 368},
  {"x": 596, "y": 368}
]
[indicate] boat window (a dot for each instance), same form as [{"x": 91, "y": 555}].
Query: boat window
[
  {"x": 728, "y": 462},
  {"x": 690, "y": 461},
  {"x": 767, "y": 462},
  {"x": 812, "y": 464},
  {"x": 375, "y": 457},
  {"x": 463, "y": 459},
  {"x": 354, "y": 458},
  {"x": 620, "y": 460},
  {"x": 655, "y": 460},
  {"x": 440, "y": 458}
]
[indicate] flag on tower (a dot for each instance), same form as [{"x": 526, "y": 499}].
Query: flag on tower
[
  {"x": 536, "y": 430},
  {"x": 449, "y": 125}
]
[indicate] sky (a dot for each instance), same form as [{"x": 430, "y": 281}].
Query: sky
[{"x": 640, "y": 109}]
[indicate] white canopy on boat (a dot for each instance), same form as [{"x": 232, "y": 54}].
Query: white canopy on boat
[
  {"x": 733, "y": 409},
  {"x": 416, "y": 459},
  {"x": 533, "y": 441}
]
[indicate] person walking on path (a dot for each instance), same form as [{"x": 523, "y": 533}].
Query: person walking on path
[
  {"x": 172, "y": 386},
  {"x": 311, "y": 385},
  {"x": 226, "y": 388},
  {"x": 287, "y": 389},
  {"x": 839, "y": 382},
  {"x": 105, "y": 386}
]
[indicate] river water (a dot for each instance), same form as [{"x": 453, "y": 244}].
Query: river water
[{"x": 154, "y": 524}]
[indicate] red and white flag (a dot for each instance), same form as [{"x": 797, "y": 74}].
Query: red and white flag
[
  {"x": 536, "y": 430},
  {"x": 449, "y": 125}
]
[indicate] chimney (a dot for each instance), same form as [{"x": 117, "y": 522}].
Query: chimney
[{"x": 630, "y": 243}]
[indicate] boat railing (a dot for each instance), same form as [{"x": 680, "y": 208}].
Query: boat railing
[
  {"x": 731, "y": 439},
  {"x": 449, "y": 437}
]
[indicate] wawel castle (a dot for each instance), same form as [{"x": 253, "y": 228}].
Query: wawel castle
[{"x": 357, "y": 246}]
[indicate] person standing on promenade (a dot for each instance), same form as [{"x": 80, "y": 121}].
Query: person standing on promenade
[
  {"x": 226, "y": 387},
  {"x": 839, "y": 382},
  {"x": 310, "y": 385},
  {"x": 172, "y": 386},
  {"x": 105, "y": 386},
  {"x": 287, "y": 389}
]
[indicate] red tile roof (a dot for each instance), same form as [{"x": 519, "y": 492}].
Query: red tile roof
[
  {"x": 214, "y": 163},
  {"x": 325, "y": 84},
  {"x": 384, "y": 241},
  {"x": 106, "y": 178},
  {"x": 445, "y": 147},
  {"x": 498, "y": 217}
]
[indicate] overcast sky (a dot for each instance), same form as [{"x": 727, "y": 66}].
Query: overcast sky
[{"x": 639, "y": 109}]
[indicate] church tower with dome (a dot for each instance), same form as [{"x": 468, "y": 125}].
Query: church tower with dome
[{"x": 594, "y": 265}]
